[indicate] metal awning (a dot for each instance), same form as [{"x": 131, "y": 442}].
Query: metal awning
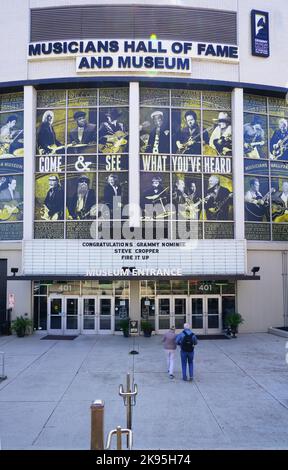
[{"x": 206, "y": 277}]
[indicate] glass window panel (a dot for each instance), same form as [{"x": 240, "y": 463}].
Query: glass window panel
[
  {"x": 163, "y": 287},
  {"x": 186, "y": 132},
  {"x": 179, "y": 287},
  {"x": 257, "y": 231},
  {"x": 155, "y": 195},
  {"x": 280, "y": 232},
  {"x": 81, "y": 196},
  {"x": 229, "y": 288},
  {"x": 114, "y": 96},
  {"x": 147, "y": 308},
  {"x": 279, "y": 199},
  {"x": 256, "y": 167},
  {"x": 89, "y": 287},
  {"x": 255, "y": 136},
  {"x": 213, "y": 306},
  {"x": 51, "y": 99},
  {"x": 12, "y": 134},
  {"x": 50, "y": 131},
  {"x": 180, "y": 307},
  {"x": 257, "y": 199},
  {"x": 82, "y": 132},
  {"x": 105, "y": 306},
  {"x": 106, "y": 288},
  {"x": 112, "y": 194},
  {"x": 11, "y": 101},
  {"x": 147, "y": 288},
  {"x": 105, "y": 323},
  {"x": 64, "y": 287},
  {"x": 156, "y": 122},
  {"x": 89, "y": 323},
  {"x": 71, "y": 306},
  {"x": 278, "y": 107},
  {"x": 154, "y": 97},
  {"x": 278, "y": 138},
  {"x": 89, "y": 307},
  {"x": 164, "y": 323},
  {"x": 49, "y": 230},
  {"x": 186, "y": 98},
  {"x": 214, "y": 230},
  {"x": 82, "y": 97},
  {"x": 40, "y": 312},
  {"x": 197, "y": 322},
  {"x": 217, "y": 133},
  {"x": 216, "y": 100},
  {"x": 254, "y": 103},
  {"x": 213, "y": 321},
  {"x": 80, "y": 230},
  {"x": 55, "y": 306},
  {"x": 113, "y": 130},
  {"x": 49, "y": 196},
  {"x": 197, "y": 306},
  {"x": 71, "y": 322},
  {"x": 11, "y": 198},
  {"x": 164, "y": 306},
  {"x": 218, "y": 193},
  {"x": 55, "y": 323},
  {"x": 121, "y": 288}
]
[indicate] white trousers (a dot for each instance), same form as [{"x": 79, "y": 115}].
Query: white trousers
[{"x": 170, "y": 354}]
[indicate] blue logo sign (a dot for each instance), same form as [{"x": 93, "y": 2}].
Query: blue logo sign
[{"x": 260, "y": 33}]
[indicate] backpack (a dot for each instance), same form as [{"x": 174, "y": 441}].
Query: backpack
[{"x": 188, "y": 342}]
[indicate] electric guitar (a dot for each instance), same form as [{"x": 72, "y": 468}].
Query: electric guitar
[
  {"x": 251, "y": 150},
  {"x": 223, "y": 145},
  {"x": 114, "y": 143},
  {"x": 186, "y": 145},
  {"x": 278, "y": 210},
  {"x": 54, "y": 149},
  {"x": 279, "y": 148},
  {"x": 44, "y": 213}
]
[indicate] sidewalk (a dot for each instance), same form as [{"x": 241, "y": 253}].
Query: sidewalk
[{"x": 239, "y": 398}]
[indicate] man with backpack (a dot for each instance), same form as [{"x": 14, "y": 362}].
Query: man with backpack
[{"x": 187, "y": 340}]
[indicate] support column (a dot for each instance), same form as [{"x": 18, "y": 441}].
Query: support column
[
  {"x": 238, "y": 162},
  {"x": 3, "y": 291},
  {"x": 134, "y": 308},
  {"x": 29, "y": 160},
  {"x": 134, "y": 162}
]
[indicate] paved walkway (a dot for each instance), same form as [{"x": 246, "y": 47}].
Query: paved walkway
[{"x": 239, "y": 398}]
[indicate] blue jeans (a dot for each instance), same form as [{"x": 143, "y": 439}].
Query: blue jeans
[{"x": 187, "y": 357}]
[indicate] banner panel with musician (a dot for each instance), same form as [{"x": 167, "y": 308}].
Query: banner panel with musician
[
  {"x": 113, "y": 130},
  {"x": 155, "y": 195},
  {"x": 218, "y": 197},
  {"x": 217, "y": 133},
  {"x": 255, "y": 136},
  {"x": 81, "y": 131},
  {"x": 257, "y": 199},
  {"x": 11, "y": 198},
  {"x": 49, "y": 197},
  {"x": 11, "y": 134},
  {"x": 154, "y": 130},
  {"x": 278, "y": 138},
  {"x": 187, "y": 200},
  {"x": 279, "y": 200},
  {"x": 81, "y": 196},
  {"x": 50, "y": 131},
  {"x": 112, "y": 194},
  {"x": 265, "y": 180}
]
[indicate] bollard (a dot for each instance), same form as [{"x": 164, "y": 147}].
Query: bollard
[
  {"x": 97, "y": 425},
  {"x": 2, "y": 376}
]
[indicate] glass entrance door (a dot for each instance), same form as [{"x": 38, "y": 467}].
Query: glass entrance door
[
  {"x": 206, "y": 314},
  {"x": 89, "y": 318},
  {"x": 105, "y": 317},
  {"x": 55, "y": 315},
  {"x": 171, "y": 311},
  {"x": 72, "y": 324}
]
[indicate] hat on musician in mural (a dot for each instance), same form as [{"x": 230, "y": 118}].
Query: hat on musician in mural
[
  {"x": 84, "y": 179},
  {"x": 156, "y": 113},
  {"x": 157, "y": 178},
  {"x": 113, "y": 113},
  {"x": 79, "y": 114},
  {"x": 223, "y": 117}
]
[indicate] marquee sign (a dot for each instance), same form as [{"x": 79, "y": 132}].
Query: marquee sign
[
  {"x": 133, "y": 55},
  {"x": 123, "y": 258}
]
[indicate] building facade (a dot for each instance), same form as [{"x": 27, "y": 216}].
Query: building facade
[{"x": 144, "y": 164}]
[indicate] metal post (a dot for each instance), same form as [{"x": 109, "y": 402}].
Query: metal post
[
  {"x": 129, "y": 398},
  {"x": 119, "y": 440},
  {"x": 97, "y": 425},
  {"x": 3, "y": 376}
]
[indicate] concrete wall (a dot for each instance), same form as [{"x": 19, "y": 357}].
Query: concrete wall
[
  {"x": 261, "y": 302},
  {"x": 21, "y": 289}
]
